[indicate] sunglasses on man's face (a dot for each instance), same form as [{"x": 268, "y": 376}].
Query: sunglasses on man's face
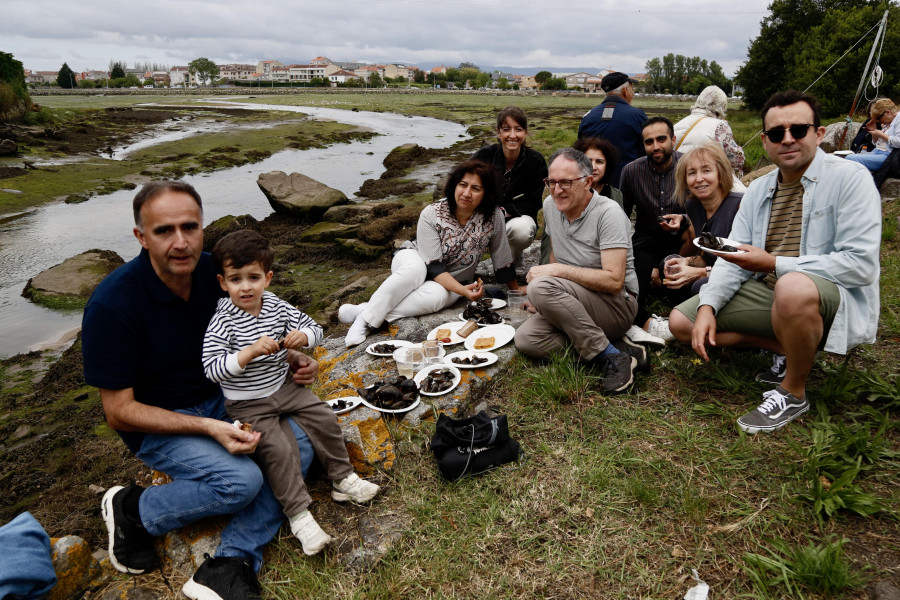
[{"x": 798, "y": 132}]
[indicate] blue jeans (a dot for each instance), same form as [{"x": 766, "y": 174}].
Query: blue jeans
[
  {"x": 870, "y": 160},
  {"x": 208, "y": 481},
  {"x": 26, "y": 570}
]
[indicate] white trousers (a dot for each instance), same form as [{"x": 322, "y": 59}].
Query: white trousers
[
  {"x": 520, "y": 232},
  {"x": 406, "y": 293}
]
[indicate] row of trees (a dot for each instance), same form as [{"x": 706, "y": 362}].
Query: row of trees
[
  {"x": 800, "y": 39},
  {"x": 677, "y": 74}
]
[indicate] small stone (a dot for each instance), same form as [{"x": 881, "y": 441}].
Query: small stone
[
  {"x": 885, "y": 590},
  {"x": 96, "y": 489},
  {"x": 126, "y": 590},
  {"x": 75, "y": 566}
]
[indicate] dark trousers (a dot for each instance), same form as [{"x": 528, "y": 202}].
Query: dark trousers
[
  {"x": 277, "y": 449},
  {"x": 649, "y": 250}
]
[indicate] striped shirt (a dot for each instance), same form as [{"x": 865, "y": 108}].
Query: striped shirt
[
  {"x": 785, "y": 224},
  {"x": 652, "y": 192},
  {"x": 231, "y": 329}
]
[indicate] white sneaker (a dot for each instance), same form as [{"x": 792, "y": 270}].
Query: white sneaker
[
  {"x": 639, "y": 336},
  {"x": 659, "y": 327},
  {"x": 347, "y": 313},
  {"x": 311, "y": 536},
  {"x": 357, "y": 333},
  {"x": 355, "y": 489}
]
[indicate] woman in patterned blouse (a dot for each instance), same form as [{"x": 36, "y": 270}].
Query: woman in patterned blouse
[{"x": 431, "y": 273}]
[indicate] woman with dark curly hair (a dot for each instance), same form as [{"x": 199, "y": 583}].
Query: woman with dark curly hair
[
  {"x": 439, "y": 267},
  {"x": 605, "y": 159}
]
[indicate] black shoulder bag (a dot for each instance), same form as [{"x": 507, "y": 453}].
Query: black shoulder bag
[{"x": 474, "y": 445}]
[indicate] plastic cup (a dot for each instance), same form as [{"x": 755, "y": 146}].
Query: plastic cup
[
  {"x": 516, "y": 302},
  {"x": 409, "y": 361},
  {"x": 434, "y": 351},
  {"x": 674, "y": 267}
]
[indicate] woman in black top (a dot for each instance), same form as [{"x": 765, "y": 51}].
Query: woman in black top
[
  {"x": 703, "y": 184},
  {"x": 523, "y": 171}
]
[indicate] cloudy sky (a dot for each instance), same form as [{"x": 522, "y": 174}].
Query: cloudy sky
[{"x": 559, "y": 34}]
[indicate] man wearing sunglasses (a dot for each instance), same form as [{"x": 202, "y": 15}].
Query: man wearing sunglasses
[
  {"x": 586, "y": 294},
  {"x": 806, "y": 276}
]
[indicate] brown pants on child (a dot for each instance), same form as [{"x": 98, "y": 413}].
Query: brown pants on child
[{"x": 277, "y": 449}]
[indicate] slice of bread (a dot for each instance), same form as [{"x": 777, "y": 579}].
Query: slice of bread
[
  {"x": 441, "y": 334},
  {"x": 484, "y": 342}
]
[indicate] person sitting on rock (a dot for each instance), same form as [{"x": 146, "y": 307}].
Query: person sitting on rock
[
  {"x": 142, "y": 336},
  {"x": 435, "y": 271},
  {"x": 244, "y": 350}
]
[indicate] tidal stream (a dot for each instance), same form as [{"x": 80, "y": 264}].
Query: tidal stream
[{"x": 37, "y": 240}]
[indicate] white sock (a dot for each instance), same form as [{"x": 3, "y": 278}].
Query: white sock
[{"x": 357, "y": 333}]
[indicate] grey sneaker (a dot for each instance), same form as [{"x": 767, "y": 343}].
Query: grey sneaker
[
  {"x": 659, "y": 327},
  {"x": 636, "y": 334},
  {"x": 775, "y": 375},
  {"x": 779, "y": 408},
  {"x": 637, "y": 351},
  {"x": 618, "y": 373}
]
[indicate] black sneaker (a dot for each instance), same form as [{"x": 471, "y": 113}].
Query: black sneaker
[
  {"x": 223, "y": 578},
  {"x": 637, "y": 351},
  {"x": 775, "y": 375},
  {"x": 618, "y": 373},
  {"x": 130, "y": 546}
]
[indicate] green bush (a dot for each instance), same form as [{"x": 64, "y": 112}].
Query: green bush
[{"x": 14, "y": 98}]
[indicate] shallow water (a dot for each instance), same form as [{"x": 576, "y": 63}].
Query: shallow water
[{"x": 37, "y": 240}]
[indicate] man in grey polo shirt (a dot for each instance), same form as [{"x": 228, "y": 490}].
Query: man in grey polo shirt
[{"x": 586, "y": 295}]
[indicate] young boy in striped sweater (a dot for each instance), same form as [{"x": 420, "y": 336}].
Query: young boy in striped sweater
[{"x": 244, "y": 350}]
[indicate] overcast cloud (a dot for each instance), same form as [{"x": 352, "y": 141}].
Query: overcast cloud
[{"x": 560, "y": 34}]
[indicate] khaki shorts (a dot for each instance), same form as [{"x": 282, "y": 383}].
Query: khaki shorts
[{"x": 750, "y": 309}]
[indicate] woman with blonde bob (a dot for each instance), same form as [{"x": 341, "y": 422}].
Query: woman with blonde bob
[
  {"x": 704, "y": 187},
  {"x": 884, "y": 114}
]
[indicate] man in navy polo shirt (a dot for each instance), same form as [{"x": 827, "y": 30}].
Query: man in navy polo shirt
[
  {"x": 142, "y": 340},
  {"x": 616, "y": 121}
]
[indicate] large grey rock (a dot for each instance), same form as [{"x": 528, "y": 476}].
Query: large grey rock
[
  {"x": 328, "y": 232},
  {"x": 358, "y": 250},
  {"x": 8, "y": 147},
  {"x": 885, "y": 590},
  {"x": 746, "y": 179},
  {"x": 833, "y": 133},
  {"x": 72, "y": 281},
  {"x": 352, "y": 213},
  {"x": 890, "y": 189},
  {"x": 300, "y": 196}
]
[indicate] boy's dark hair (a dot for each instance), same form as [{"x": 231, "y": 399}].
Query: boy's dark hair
[
  {"x": 788, "y": 97},
  {"x": 654, "y": 120},
  {"x": 153, "y": 189},
  {"x": 241, "y": 248}
]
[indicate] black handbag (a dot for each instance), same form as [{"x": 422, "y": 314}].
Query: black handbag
[{"x": 474, "y": 445}]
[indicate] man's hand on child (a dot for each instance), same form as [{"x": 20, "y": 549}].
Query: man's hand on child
[{"x": 295, "y": 339}]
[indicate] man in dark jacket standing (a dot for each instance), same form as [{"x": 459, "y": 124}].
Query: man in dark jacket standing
[{"x": 616, "y": 120}]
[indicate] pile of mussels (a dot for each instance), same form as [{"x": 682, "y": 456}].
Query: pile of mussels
[
  {"x": 481, "y": 311},
  {"x": 708, "y": 240},
  {"x": 390, "y": 393}
]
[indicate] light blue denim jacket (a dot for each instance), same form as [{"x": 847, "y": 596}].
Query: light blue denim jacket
[{"x": 840, "y": 241}]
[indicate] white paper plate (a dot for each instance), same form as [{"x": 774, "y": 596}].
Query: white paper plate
[
  {"x": 397, "y": 343},
  {"x": 724, "y": 241},
  {"x": 420, "y": 376},
  {"x": 353, "y": 402},
  {"x": 394, "y": 412},
  {"x": 490, "y": 356},
  {"x": 497, "y": 303},
  {"x": 479, "y": 323},
  {"x": 843, "y": 152},
  {"x": 453, "y": 326},
  {"x": 502, "y": 335}
]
